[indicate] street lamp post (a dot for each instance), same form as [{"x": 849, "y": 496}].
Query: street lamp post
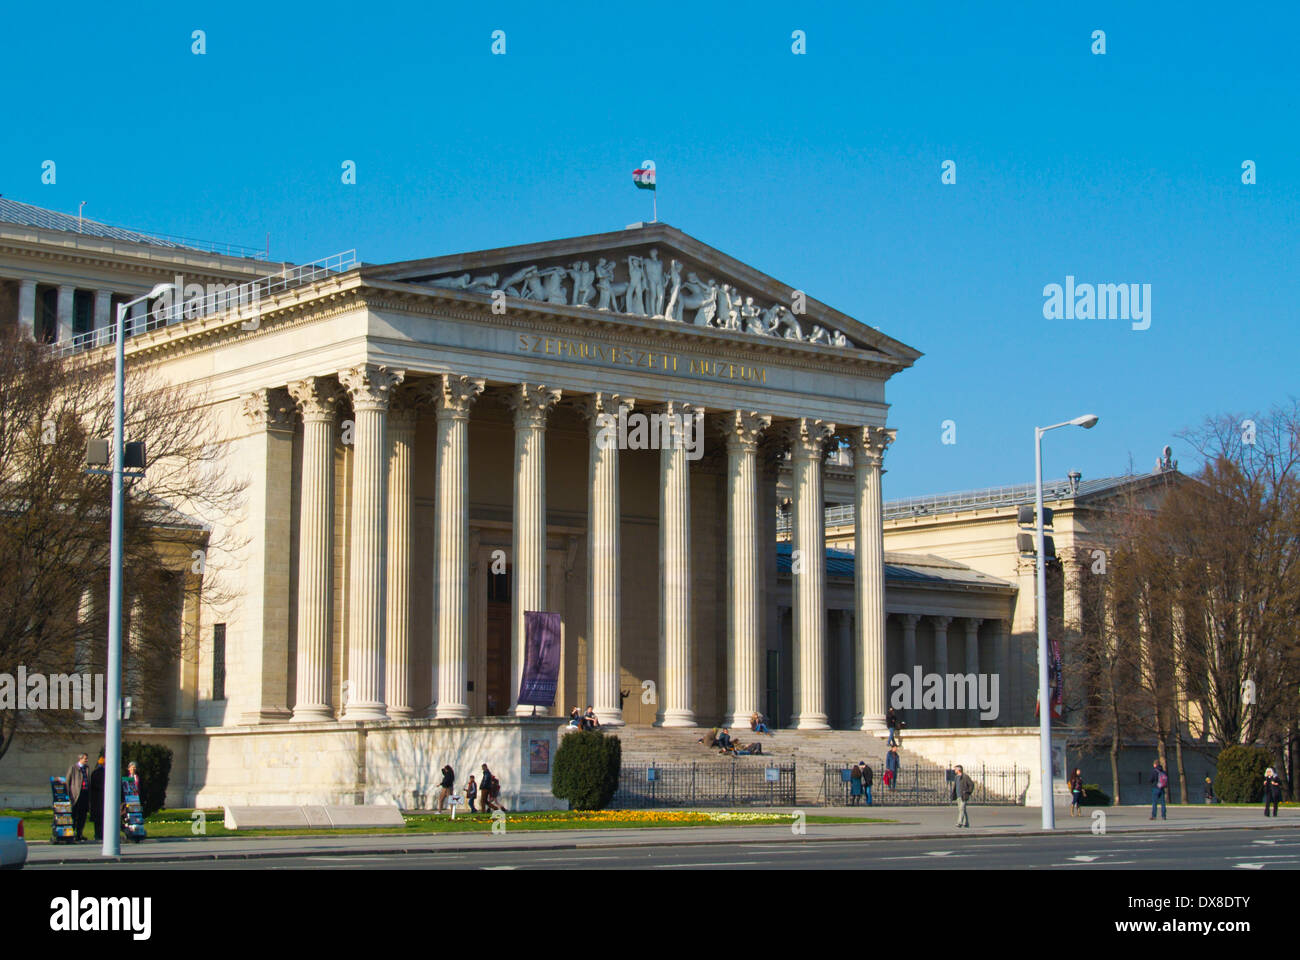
[
  {"x": 113, "y": 709},
  {"x": 1044, "y": 694}
]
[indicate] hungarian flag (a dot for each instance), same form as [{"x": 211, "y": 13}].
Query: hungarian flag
[{"x": 644, "y": 177}]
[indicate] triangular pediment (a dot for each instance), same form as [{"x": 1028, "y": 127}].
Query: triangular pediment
[{"x": 653, "y": 271}]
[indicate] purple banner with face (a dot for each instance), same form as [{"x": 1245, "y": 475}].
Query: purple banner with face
[{"x": 541, "y": 658}]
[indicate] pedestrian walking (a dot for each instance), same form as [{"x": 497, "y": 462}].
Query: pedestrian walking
[
  {"x": 1076, "y": 793},
  {"x": 1209, "y": 791},
  {"x": 894, "y": 725},
  {"x": 1159, "y": 784},
  {"x": 485, "y": 782},
  {"x": 79, "y": 794},
  {"x": 97, "y": 797},
  {"x": 471, "y": 791},
  {"x": 855, "y": 785},
  {"x": 962, "y": 788},
  {"x": 1272, "y": 790},
  {"x": 866, "y": 782},
  {"x": 447, "y": 784},
  {"x": 891, "y": 768}
]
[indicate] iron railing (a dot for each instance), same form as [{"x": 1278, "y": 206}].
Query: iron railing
[
  {"x": 918, "y": 786},
  {"x": 723, "y": 783},
  {"x": 229, "y": 298}
]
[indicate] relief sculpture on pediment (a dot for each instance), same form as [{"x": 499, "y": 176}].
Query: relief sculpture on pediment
[{"x": 653, "y": 288}]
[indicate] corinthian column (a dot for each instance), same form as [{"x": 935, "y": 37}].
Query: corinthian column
[
  {"x": 808, "y": 573},
  {"x": 317, "y": 398},
  {"x": 370, "y": 387},
  {"x": 530, "y": 403},
  {"x": 602, "y": 411},
  {"x": 452, "y": 397},
  {"x": 397, "y": 657},
  {"x": 744, "y": 570},
  {"x": 868, "y": 445},
  {"x": 676, "y": 693}
]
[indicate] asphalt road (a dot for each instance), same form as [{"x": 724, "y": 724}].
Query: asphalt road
[{"x": 1221, "y": 849}]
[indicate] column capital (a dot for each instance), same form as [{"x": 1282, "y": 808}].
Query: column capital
[
  {"x": 317, "y": 397},
  {"x": 808, "y": 435},
  {"x": 910, "y": 620},
  {"x": 742, "y": 428},
  {"x": 868, "y": 443},
  {"x": 370, "y": 385},
  {"x": 973, "y": 624},
  {"x": 941, "y": 623},
  {"x": 530, "y": 404},
  {"x": 594, "y": 406},
  {"x": 452, "y": 394},
  {"x": 268, "y": 408}
]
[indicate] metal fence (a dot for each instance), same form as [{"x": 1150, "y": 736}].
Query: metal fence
[
  {"x": 927, "y": 786},
  {"x": 722, "y": 783}
]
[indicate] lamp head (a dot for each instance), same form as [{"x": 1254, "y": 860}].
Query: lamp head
[
  {"x": 1087, "y": 422},
  {"x": 160, "y": 289}
]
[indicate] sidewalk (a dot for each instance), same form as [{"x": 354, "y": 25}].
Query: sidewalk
[{"x": 910, "y": 823}]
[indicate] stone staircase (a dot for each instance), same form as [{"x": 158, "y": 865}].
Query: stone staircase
[{"x": 809, "y": 750}]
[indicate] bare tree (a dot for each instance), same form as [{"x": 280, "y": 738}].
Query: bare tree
[{"x": 55, "y": 525}]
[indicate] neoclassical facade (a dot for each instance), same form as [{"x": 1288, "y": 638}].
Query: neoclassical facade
[{"x": 422, "y": 447}]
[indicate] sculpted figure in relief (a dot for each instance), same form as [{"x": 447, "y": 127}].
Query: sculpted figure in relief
[
  {"x": 605, "y": 284},
  {"x": 635, "y": 302},
  {"x": 708, "y": 308},
  {"x": 583, "y": 279},
  {"x": 749, "y": 315},
  {"x": 654, "y": 284},
  {"x": 515, "y": 284},
  {"x": 819, "y": 334},
  {"x": 673, "y": 310},
  {"x": 553, "y": 285}
]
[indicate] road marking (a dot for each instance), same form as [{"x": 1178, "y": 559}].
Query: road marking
[
  {"x": 1264, "y": 841},
  {"x": 1100, "y": 863},
  {"x": 1084, "y": 859},
  {"x": 347, "y": 859},
  {"x": 727, "y": 863},
  {"x": 504, "y": 867},
  {"x": 558, "y": 859},
  {"x": 939, "y": 853},
  {"x": 1249, "y": 866}
]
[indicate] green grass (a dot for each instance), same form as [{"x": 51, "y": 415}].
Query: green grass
[{"x": 178, "y": 822}]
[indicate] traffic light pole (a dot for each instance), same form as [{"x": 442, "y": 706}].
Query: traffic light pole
[{"x": 1044, "y": 694}]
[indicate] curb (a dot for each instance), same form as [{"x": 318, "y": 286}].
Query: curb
[{"x": 572, "y": 845}]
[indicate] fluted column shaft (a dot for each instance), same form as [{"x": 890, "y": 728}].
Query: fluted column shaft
[
  {"x": 809, "y": 574},
  {"x": 973, "y": 665},
  {"x": 397, "y": 656},
  {"x": 941, "y": 663},
  {"x": 676, "y": 683},
  {"x": 452, "y": 396},
  {"x": 744, "y": 570},
  {"x": 531, "y": 403},
  {"x": 369, "y": 386},
  {"x": 27, "y": 308},
  {"x": 317, "y": 398},
  {"x": 603, "y": 583},
  {"x": 910, "y": 620},
  {"x": 868, "y": 446}
]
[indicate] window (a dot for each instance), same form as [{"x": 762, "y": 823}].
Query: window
[{"x": 219, "y": 662}]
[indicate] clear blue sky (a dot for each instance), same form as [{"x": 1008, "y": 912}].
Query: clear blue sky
[{"x": 822, "y": 169}]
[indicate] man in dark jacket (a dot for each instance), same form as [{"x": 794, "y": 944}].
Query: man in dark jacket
[
  {"x": 962, "y": 787},
  {"x": 866, "y": 782},
  {"x": 97, "y": 797},
  {"x": 79, "y": 794},
  {"x": 893, "y": 723},
  {"x": 891, "y": 767}
]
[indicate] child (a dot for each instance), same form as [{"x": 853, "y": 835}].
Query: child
[{"x": 471, "y": 791}]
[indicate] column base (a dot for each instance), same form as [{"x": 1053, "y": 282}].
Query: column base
[
  {"x": 739, "y": 721},
  {"x": 812, "y": 721},
  {"x": 312, "y": 713},
  {"x": 401, "y": 713},
  {"x": 871, "y": 725},
  {"x": 610, "y": 717},
  {"x": 676, "y": 718},
  {"x": 450, "y": 711},
  {"x": 365, "y": 711},
  {"x": 266, "y": 715}
]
